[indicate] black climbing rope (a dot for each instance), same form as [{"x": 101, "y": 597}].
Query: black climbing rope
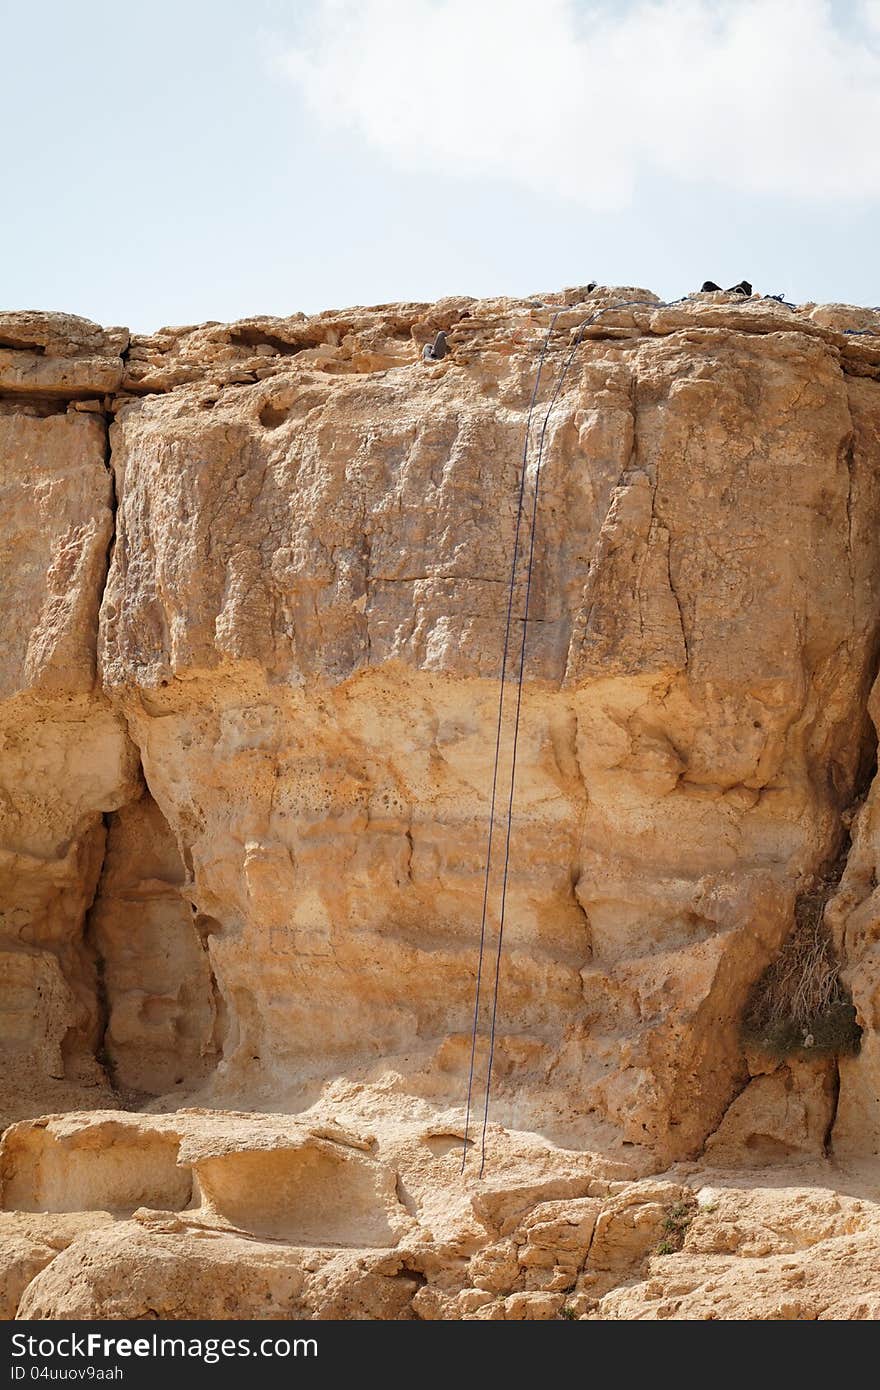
[
  {"x": 498, "y": 729},
  {"x": 519, "y": 689},
  {"x": 563, "y": 373}
]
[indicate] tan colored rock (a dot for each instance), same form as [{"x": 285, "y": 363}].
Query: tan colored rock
[
  {"x": 792, "y": 1254},
  {"x": 311, "y": 575},
  {"x": 65, "y": 758},
  {"x": 29, "y": 1243},
  {"x": 43, "y": 354},
  {"x": 57, "y": 524},
  {"x": 845, "y": 318},
  {"x": 631, "y": 1224},
  {"x": 558, "y": 1234},
  {"x": 534, "y": 1307},
  {"x": 496, "y": 1268},
  {"x": 274, "y": 1179},
  {"x": 219, "y": 354},
  {"x": 98, "y": 1163},
  {"x": 299, "y": 638},
  {"x": 789, "y": 1111},
  {"x": 159, "y": 992},
  {"x": 126, "y": 1272},
  {"x": 752, "y": 1247}
]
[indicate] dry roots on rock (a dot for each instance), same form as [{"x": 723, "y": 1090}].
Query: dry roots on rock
[{"x": 800, "y": 1004}]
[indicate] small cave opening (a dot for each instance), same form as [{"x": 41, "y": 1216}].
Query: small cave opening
[{"x": 274, "y": 414}]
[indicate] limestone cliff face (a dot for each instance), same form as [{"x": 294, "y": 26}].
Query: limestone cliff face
[
  {"x": 66, "y": 757},
  {"x": 255, "y": 585}
]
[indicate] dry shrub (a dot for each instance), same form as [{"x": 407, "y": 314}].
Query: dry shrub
[{"x": 800, "y": 1006}]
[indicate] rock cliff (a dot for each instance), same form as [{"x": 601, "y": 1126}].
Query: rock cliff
[{"x": 255, "y": 579}]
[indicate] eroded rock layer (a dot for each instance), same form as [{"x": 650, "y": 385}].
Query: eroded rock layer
[{"x": 256, "y": 584}]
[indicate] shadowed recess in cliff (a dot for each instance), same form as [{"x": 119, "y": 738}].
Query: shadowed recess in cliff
[
  {"x": 800, "y": 1006},
  {"x": 156, "y": 978}
]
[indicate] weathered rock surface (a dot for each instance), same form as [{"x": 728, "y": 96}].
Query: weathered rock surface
[
  {"x": 66, "y": 758},
  {"x": 255, "y": 581},
  {"x": 767, "y": 1253},
  {"x": 158, "y": 991},
  {"x": 59, "y": 355}
]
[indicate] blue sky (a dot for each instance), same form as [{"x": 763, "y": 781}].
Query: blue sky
[{"x": 197, "y": 160}]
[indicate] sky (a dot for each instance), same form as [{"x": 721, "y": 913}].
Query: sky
[{"x": 187, "y": 160}]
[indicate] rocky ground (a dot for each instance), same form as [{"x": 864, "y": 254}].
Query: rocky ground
[
  {"x": 224, "y": 1215},
  {"x": 254, "y": 591}
]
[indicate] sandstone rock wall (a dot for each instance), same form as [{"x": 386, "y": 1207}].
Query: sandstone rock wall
[
  {"x": 155, "y": 984},
  {"x": 66, "y": 757},
  {"x": 255, "y": 582}
]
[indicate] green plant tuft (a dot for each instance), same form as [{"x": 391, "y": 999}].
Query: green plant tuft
[{"x": 678, "y": 1217}]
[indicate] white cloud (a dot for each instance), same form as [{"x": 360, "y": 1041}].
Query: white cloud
[{"x": 763, "y": 96}]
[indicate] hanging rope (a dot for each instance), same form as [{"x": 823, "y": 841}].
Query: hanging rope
[
  {"x": 519, "y": 689},
  {"x": 499, "y": 724},
  {"x": 593, "y": 318}
]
